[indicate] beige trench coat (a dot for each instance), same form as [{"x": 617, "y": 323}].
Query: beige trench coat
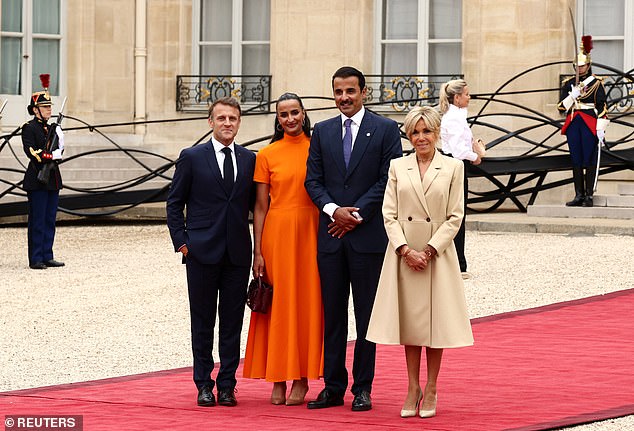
[{"x": 425, "y": 308}]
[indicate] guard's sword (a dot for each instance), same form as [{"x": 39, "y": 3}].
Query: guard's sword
[{"x": 574, "y": 46}]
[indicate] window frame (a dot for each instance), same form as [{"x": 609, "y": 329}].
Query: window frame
[
  {"x": 423, "y": 41},
  {"x": 628, "y": 31},
  {"x": 236, "y": 43},
  {"x": 15, "y": 111}
]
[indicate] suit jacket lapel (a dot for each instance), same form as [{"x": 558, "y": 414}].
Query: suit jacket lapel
[
  {"x": 239, "y": 165},
  {"x": 432, "y": 171},
  {"x": 364, "y": 136},
  {"x": 335, "y": 138},
  {"x": 414, "y": 176}
]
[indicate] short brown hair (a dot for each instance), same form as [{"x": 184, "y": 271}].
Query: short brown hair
[{"x": 229, "y": 101}]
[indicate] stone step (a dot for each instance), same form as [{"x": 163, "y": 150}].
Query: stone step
[
  {"x": 106, "y": 175},
  {"x": 619, "y": 201},
  {"x": 626, "y": 189},
  {"x": 107, "y": 160},
  {"x": 580, "y": 212},
  {"x": 95, "y": 162}
]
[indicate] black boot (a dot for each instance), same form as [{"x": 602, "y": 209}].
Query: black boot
[
  {"x": 577, "y": 179},
  {"x": 590, "y": 173}
]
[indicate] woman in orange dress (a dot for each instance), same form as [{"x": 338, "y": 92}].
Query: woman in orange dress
[{"x": 287, "y": 343}]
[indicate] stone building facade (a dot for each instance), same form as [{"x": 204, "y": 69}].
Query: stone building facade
[{"x": 119, "y": 60}]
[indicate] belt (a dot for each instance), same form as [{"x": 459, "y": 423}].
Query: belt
[{"x": 582, "y": 106}]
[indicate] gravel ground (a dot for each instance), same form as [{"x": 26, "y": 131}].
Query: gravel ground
[{"x": 119, "y": 306}]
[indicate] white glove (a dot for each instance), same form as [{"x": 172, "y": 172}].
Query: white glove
[
  {"x": 57, "y": 154},
  {"x": 60, "y": 136},
  {"x": 601, "y": 136},
  {"x": 575, "y": 92}
]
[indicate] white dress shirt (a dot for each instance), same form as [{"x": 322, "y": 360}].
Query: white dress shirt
[
  {"x": 456, "y": 135},
  {"x": 331, "y": 207},
  {"x": 354, "y": 126},
  {"x": 220, "y": 156}
]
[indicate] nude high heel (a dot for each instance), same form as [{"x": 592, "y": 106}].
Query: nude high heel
[
  {"x": 298, "y": 392},
  {"x": 406, "y": 413},
  {"x": 429, "y": 412},
  {"x": 278, "y": 396}
]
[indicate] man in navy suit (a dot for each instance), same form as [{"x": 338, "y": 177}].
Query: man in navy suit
[
  {"x": 214, "y": 183},
  {"x": 347, "y": 169}
]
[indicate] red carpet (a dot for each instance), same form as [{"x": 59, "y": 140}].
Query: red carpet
[{"x": 547, "y": 367}]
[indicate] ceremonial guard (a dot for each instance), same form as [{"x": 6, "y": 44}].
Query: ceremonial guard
[
  {"x": 583, "y": 99},
  {"x": 43, "y": 144}
]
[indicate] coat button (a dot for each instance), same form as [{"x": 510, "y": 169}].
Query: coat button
[
  {"x": 428, "y": 219},
  {"x": 409, "y": 218}
]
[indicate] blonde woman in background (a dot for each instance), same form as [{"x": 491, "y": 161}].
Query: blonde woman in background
[{"x": 458, "y": 142}]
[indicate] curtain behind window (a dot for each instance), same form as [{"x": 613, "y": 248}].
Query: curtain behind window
[
  {"x": 404, "y": 39},
  {"x": 445, "y": 33},
  {"x": 46, "y": 43},
  {"x": 603, "y": 19},
  {"x": 11, "y": 47},
  {"x": 256, "y": 23},
  {"x": 400, "y": 23}
]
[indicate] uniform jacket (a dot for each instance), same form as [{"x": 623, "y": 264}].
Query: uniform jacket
[
  {"x": 216, "y": 221},
  {"x": 34, "y": 144},
  {"x": 593, "y": 94},
  {"x": 361, "y": 185}
]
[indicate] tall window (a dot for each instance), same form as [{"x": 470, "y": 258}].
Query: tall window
[
  {"x": 611, "y": 25},
  {"x": 233, "y": 37},
  {"x": 30, "y": 44},
  {"x": 419, "y": 36}
]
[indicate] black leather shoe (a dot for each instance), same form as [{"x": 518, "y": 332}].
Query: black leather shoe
[
  {"x": 53, "y": 263},
  {"x": 362, "y": 402},
  {"x": 227, "y": 398},
  {"x": 38, "y": 265},
  {"x": 206, "y": 397},
  {"x": 326, "y": 398}
]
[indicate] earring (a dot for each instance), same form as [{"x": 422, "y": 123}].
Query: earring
[
  {"x": 279, "y": 127},
  {"x": 304, "y": 122}
]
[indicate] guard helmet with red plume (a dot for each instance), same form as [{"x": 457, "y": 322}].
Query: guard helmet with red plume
[
  {"x": 585, "y": 47},
  {"x": 41, "y": 98}
]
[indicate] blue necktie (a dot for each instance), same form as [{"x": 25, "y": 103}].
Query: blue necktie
[
  {"x": 347, "y": 141},
  {"x": 227, "y": 170}
]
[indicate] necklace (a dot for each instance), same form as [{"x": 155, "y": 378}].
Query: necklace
[{"x": 424, "y": 160}]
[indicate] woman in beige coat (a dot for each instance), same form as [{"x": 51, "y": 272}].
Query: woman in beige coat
[{"x": 420, "y": 299}]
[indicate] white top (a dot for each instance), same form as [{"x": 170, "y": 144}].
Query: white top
[
  {"x": 456, "y": 135},
  {"x": 220, "y": 156}
]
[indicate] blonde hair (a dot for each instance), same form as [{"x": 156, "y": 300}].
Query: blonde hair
[
  {"x": 426, "y": 113},
  {"x": 447, "y": 92}
]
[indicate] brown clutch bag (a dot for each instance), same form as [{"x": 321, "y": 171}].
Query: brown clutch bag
[{"x": 259, "y": 295}]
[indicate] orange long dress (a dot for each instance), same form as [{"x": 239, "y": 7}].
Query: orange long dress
[{"x": 287, "y": 343}]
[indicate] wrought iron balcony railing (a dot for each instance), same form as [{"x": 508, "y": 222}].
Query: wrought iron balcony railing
[
  {"x": 403, "y": 92},
  {"x": 194, "y": 93}
]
